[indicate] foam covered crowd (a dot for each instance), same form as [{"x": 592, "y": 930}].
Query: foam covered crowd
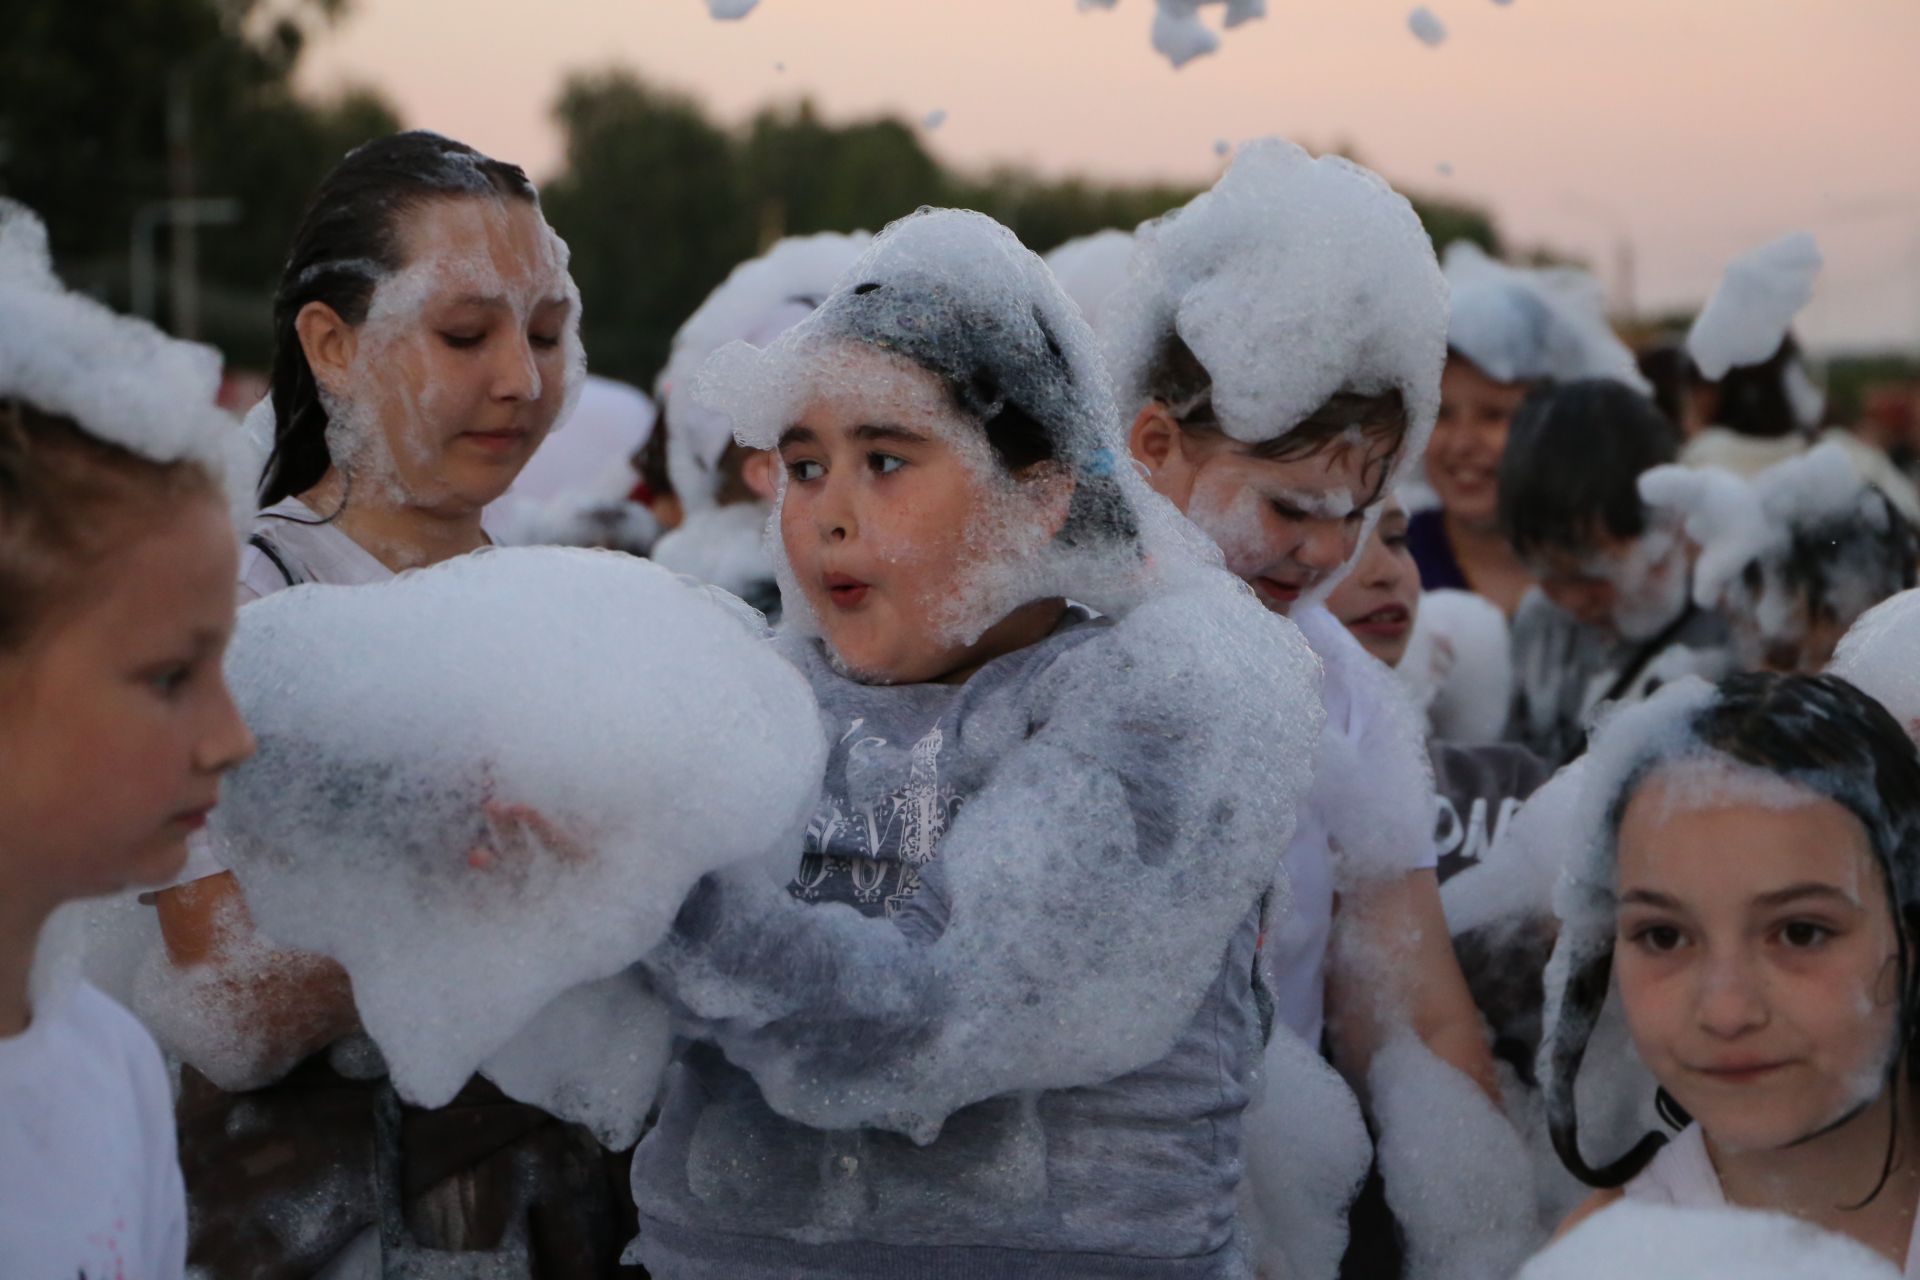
[{"x": 1254, "y": 745}]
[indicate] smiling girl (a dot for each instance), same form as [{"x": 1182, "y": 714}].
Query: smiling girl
[{"x": 1751, "y": 897}]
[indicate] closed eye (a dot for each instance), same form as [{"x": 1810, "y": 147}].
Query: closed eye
[
  {"x": 169, "y": 679},
  {"x": 463, "y": 341}
]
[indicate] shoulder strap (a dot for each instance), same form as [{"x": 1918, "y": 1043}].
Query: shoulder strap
[
  {"x": 1647, "y": 653},
  {"x": 267, "y": 549}
]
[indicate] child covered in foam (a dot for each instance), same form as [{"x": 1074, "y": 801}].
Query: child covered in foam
[
  {"x": 117, "y": 554},
  {"x": 1003, "y": 1018},
  {"x": 1747, "y": 886}
]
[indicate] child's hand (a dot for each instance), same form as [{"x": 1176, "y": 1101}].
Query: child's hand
[{"x": 517, "y": 834}]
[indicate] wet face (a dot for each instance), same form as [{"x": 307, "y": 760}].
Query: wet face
[
  {"x": 1630, "y": 588},
  {"x": 1469, "y": 439},
  {"x": 895, "y": 517},
  {"x": 1801, "y": 639},
  {"x": 443, "y": 394},
  {"x": 1756, "y": 958},
  {"x": 115, "y": 716},
  {"x": 1285, "y": 526},
  {"x": 1380, "y": 599}
]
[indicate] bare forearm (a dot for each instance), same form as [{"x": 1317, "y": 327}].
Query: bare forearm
[
  {"x": 1393, "y": 965},
  {"x": 277, "y": 1006}
]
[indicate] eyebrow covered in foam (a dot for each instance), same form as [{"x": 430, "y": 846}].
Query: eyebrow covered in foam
[
  {"x": 1335, "y": 505},
  {"x": 887, "y": 431}
]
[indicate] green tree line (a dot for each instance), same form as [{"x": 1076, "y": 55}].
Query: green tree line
[{"x": 107, "y": 108}]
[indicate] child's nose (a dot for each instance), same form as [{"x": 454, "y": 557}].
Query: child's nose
[
  {"x": 516, "y": 375},
  {"x": 1731, "y": 999},
  {"x": 833, "y": 511},
  {"x": 1325, "y": 547},
  {"x": 228, "y": 741}
]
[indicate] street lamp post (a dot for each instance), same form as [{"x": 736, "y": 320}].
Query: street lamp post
[{"x": 211, "y": 211}]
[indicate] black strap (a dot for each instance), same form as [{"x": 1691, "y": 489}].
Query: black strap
[
  {"x": 259, "y": 541},
  {"x": 1646, "y": 654}
]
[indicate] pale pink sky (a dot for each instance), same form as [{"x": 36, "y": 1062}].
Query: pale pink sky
[{"x": 1694, "y": 128}]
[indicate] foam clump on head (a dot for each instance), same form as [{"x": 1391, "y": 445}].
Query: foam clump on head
[
  {"x": 955, "y": 295},
  {"x": 1876, "y": 656},
  {"x": 757, "y": 302},
  {"x": 1636, "y": 1238},
  {"x": 384, "y": 763},
  {"x": 1091, "y": 269},
  {"x": 119, "y": 378},
  {"x": 1748, "y": 530},
  {"x": 1752, "y": 308},
  {"x": 1292, "y": 280},
  {"x": 1538, "y": 324}
]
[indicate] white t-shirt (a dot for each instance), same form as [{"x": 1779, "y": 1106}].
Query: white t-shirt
[
  {"x": 1372, "y": 796},
  {"x": 1682, "y": 1175},
  {"x": 89, "y": 1178},
  {"x": 310, "y": 550}
]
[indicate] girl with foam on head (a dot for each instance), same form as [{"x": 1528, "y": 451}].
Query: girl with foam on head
[
  {"x": 426, "y": 340},
  {"x": 117, "y": 553},
  {"x": 1509, "y": 331},
  {"x": 1749, "y": 891},
  {"x": 1002, "y": 1020},
  {"x": 1279, "y": 346}
]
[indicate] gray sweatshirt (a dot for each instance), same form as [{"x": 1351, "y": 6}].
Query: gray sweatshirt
[{"x": 1134, "y": 1177}]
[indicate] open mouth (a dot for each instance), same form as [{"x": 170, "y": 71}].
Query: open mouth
[
  {"x": 1278, "y": 592},
  {"x": 845, "y": 591},
  {"x": 1470, "y": 475},
  {"x": 1388, "y": 622},
  {"x": 192, "y": 819}
]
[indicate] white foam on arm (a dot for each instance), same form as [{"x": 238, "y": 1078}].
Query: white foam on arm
[{"x": 1079, "y": 906}]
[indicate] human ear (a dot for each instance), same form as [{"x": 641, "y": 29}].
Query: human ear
[
  {"x": 760, "y": 472},
  {"x": 328, "y": 342},
  {"x": 1154, "y": 438},
  {"x": 1050, "y": 485}
]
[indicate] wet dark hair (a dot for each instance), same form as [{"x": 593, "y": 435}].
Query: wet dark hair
[
  {"x": 349, "y": 239},
  {"x": 1820, "y": 733},
  {"x": 1673, "y": 375},
  {"x": 64, "y": 497},
  {"x": 1011, "y": 375},
  {"x": 1873, "y": 546},
  {"x": 1754, "y": 399},
  {"x": 1573, "y": 464},
  {"x": 1177, "y": 379}
]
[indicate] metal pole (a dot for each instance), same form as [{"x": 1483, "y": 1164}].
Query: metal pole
[
  {"x": 186, "y": 256},
  {"x": 142, "y": 276}
]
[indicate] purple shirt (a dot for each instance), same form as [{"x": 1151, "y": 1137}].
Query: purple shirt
[{"x": 1427, "y": 540}]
